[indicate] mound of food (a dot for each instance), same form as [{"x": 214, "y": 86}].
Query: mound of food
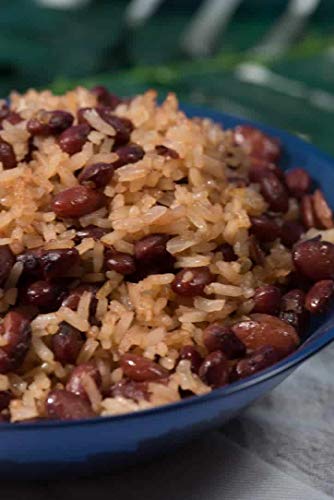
[{"x": 145, "y": 256}]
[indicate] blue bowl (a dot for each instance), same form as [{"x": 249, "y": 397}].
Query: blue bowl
[{"x": 42, "y": 450}]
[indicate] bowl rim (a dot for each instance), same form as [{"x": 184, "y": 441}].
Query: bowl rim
[{"x": 305, "y": 351}]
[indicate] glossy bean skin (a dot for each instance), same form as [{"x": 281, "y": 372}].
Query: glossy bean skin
[
  {"x": 227, "y": 252},
  {"x": 257, "y": 143},
  {"x": 105, "y": 98},
  {"x": 64, "y": 405},
  {"x": 263, "y": 329},
  {"x": 49, "y": 122},
  {"x": 167, "y": 152},
  {"x": 72, "y": 299},
  {"x": 16, "y": 331},
  {"x": 151, "y": 247},
  {"x": 314, "y": 259},
  {"x": 7, "y": 260},
  {"x": 77, "y": 201},
  {"x": 319, "y": 297},
  {"x": 190, "y": 353},
  {"x": 129, "y": 389},
  {"x": 256, "y": 253},
  {"x": 191, "y": 281},
  {"x": 264, "y": 228},
  {"x": 275, "y": 193},
  {"x": 260, "y": 167},
  {"x": 44, "y": 295},
  {"x": 97, "y": 175},
  {"x": 121, "y": 262},
  {"x": 141, "y": 369},
  {"x": 66, "y": 344},
  {"x": 298, "y": 182},
  {"x": 123, "y": 127},
  {"x": 128, "y": 154},
  {"x": 90, "y": 231},
  {"x": 214, "y": 370},
  {"x": 7, "y": 155},
  {"x": 258, "y": 360},
  {"x": 222, "y": 338},
  {"x": 322, "y": 211},
  {"x": 306, "y": 211},
  {"x": 290, "y": 233},
  {"x": 267, "y": 299},
  {"x": 31, "y": 263},
  {"x": 292, "y": 309},
  {"x": 72, "y": 140},
  {"x": 76, "y": 381},
  {"x": 57, "y": 263}
]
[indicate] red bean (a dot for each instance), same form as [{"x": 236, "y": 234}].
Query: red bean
[
  {"x": 260, "y": 167},
  {"x": 57, "y": 263},
  {"x": 7, "y": 155},
  {"x": 77, "y": 201},
  {"x": 66, "y": 343},
  {"x": 263, "y": 329},
  {"x": 123, "y": 127},
  {"x": 128, "y": 154},
  {"x": 291, "y": 232},
  {"x": 314, "y": 259},
  {"x": 96, "y": 175},
  {"x": 49, "y": 122},
  {"x": 275, "y": 193},
  {"x": 256, "y": 253},
  {"x": 257, "y": 143},
  {"x": 76, "y": 381},
  {"x": 151, "y": 247},
  {"x": 292, "y": 309},
  {"x": 319, "y": 296},
  {"x": 16, "y": 332},
  {"x": 72, "y": 300},
  {"x": 190, "y": 353},
  {"x": 90, "y": 231},
  {"x": 105, "y": 98},
  {"x": 191, "y": 281},
  {"x": 72, "y": 140},
  {"x": 298, "y": 182},
  {"x": 130, "y": 389},
  {"x": 121, "y": 262},
  {"x": 7, "y": 261},
  {"x": 214, "y": 369},
  {"x": 267, "y": 299},
  {"x": 141, "y": 369},
  {"x": 306, "y": 211},
  {"x": 5, "y": 397},
  {"x": 167, "y": 152},
  {"x": 228, "y": 252},
  {"x": 44, "y": 295},
  {"x": 264, "y": 228},
  {"x": 64, "y": 405},
  {"x": 259, "y": 360},
  {"x": 31, "y": 263},
  {"x": 222, "y": 338},
  {"x": 10, "y": 116},
  {"x": 322, "y": 211}
]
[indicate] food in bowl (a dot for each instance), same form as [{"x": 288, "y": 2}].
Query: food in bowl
[{"x": 146, "y": 257}]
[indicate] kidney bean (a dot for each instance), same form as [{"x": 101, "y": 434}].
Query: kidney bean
[
  {"x": 66, "y": 343},
  {"x": 7, "y": 155},
  {"x": 31, "y": 263},
  {"x": 259, "y": 360},
  {"x": 16, "y": 331},
  {"x": 314, "y": 259},
  {"x": 128, "y": 154},
  {"x": 64, "y": 405},
  {"x": 263, "y": 329},
  {"x": 105, "y": 98},
  {"x": 275, "y": 193},
  {"x": 147, "y": 268},
  {"x": 167, "y": 152},
  {"x": 257, "y": 143},
  {"x": 90, "y": 231},
  {"x": 76, "y": 384},
  {"x": 5, "y": 397},
  {"x": 322, "y": 211},
  {"x": 77, "y": 201},
  {"x": 151, "y": 247},
  {"x": 256, "y": 253},
  {"x": 222, "y": 338},
  {"x": 319, "y": 296},
  {"x": 72, "y": 140},
  {"x": 214, "y": 369},
  {"x": 290, "y": 232},
  {"x": 190, "y": 353},
  {"x": 96, "y": 175},
  {"x": 228, "y": 252},
  {"x": 264, "y": 228},
  {"x": 141, "y": 369},
  {"x": 44, "y": 295},
  {"x": 73, "y": 298},
  {"x": 306, "y": 211},
  {"x": 191, "y": 281},
  {"x": 292, "y": 309},
  {"x": 267, "y": 299},
  {"x": 4, "y": 112},
  {"x": 260, "y": 167},
  {"x": 11, "y": 117},
  {"x": 57, "y": 263},
  {"x": 123, "y": 127},
  {"x": 81, "y": 116},
  {"x": 298, "y": 182},
  {"x": 130, "y": 389},
  {"x": 7, "y": 261},
  {"x": 49, "y": 122},
  {"x": 121, "y": 262}
]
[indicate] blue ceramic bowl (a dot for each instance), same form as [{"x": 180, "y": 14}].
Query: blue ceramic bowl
[{"x": 99, "y": 445}]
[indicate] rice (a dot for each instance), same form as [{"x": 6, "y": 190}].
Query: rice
[{"x": 151, "y": 273}]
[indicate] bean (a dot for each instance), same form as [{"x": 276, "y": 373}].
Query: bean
[
  {"x": 298, "y": 182},
  {"x": 259, "y": 360},
  {"x": 151, "y": 247},
  {"x": 291, "y": 232},
  {"x": 256, "y": 253},
  {"x": 167, "y": 152},
  {"x": 77, "y": 201},
  {"x": 96, "y": 175},
  {"x": 314, "y": 259},
  {"x": 227, "y": 251},
  {"x": 190, "y": 353},
  {"x": 130, "y": 389},
  {"x": 267, "y": 299},
  {"x": 121, "y": 262},
  {"x": 66, "y": 343},
  {"x": 322, "y": 211},
  {"x": 5, "y": 397},
  {"x": 319, "y": 296},
  {"x": 16, "y": 332},
  {"x": 260, "y": 167},
  {"x": 263, "y": 329},
  {"x": 306, "y": 211},
  {"x": 257, "y": 143},
  {"x": 76, "y": 381},
  {"x": 7, "y": 155},
  {"x": 191, "y": 281},
  {"x": 81, "y": 116},
  {"x": 292, "y": 309},
  {"x": 44, "y": 295},
  {"x": 141, "y": 369},
  {"x": 64, "y": 405},
  {"x": 123, "y": 127},
  {"x": 49, "y": 122},
  {"x": 214, "y": 369},
  {"x": 72, "y": 140},
  {"x": 11, "y": 117},
  {"x": 90, "y": 231},
  {"x": 105, "y": 98},
  {"x": 222, "y": 338},
  {"x": 264, "y": 228},
  {"x": 7, "y": 261},
  {"x": 57, "y": 263},
  {"x": 72, "y": 300},
  {"x": 128, "y": 154},
  {"x": 275, "y": 193},
  {"x": 31, "y": 263}
]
